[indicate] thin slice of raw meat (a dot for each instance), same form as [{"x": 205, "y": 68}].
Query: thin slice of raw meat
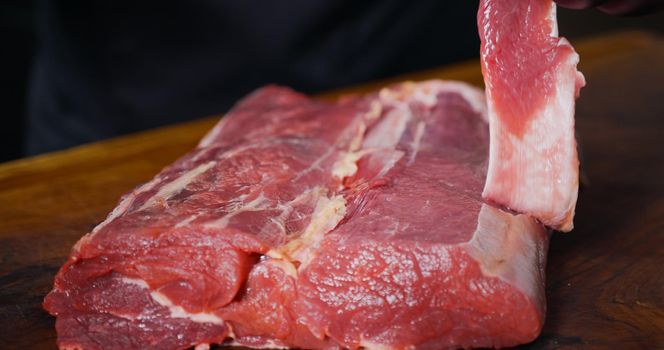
[
  {"x": 531, "y": 84},
  {"x": 302, "y": 224}
]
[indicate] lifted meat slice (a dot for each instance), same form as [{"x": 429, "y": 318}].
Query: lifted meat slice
[{"x": 531, "y": 84}]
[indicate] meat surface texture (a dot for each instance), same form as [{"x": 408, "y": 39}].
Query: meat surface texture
[
  {"x": 297, "y": 223},
  {"x": 531, "y": 85}
]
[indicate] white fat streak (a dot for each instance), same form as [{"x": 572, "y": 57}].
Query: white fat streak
[
  {"x": 212, "y": 135},
  {"x": 287, "y": 208},
  {"x": 286, "y": 266},
  {"x": 360, "y": 126},
  {"x": 178, "y": 184},
  {"x": 135, "y": 281},
  {"x": 176, "y": 310},
  {"x": 188, "y": 220},
  {"x": 399, "y": 93},
  {"x": 120, "y": 209},
  {"x": 127, "y": 202},
  {"x": 474, "y": 96},
  {"x": 326, "y": 215},
  {"x": 356, "y": 142},
  {"x": 394, "y": 158},
  {"x": 511, "y": 248},
  {"x": 268, "y": 344},
  {"x": 554, "y": 20},
  {"x": 388, "y": 132},
  {"x": 305, "y": 196},
  {"x": 371, "y": 345},
  {"x": 419, "y": 132},
  {"x": 346, "y": 165},
  {"x": 117, "y": 211},
  {"x": 316, "y": 165},
  {"x": 426, "y": 92},
  {"x": 254, "y": 205},
  {"x": 375, "y": 110}
]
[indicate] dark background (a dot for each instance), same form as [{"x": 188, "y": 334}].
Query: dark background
[{"x": 17, "y": 37}]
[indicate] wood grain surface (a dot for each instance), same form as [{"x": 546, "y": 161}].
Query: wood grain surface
[{"x": 605, "y": 282}]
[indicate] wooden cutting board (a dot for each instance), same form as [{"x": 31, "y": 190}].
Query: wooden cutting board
[{"x": 605, "y": 282}]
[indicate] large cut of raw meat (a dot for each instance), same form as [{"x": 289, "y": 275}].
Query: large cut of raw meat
[
  {"x": 531, "y": 83},
  {"x": 297, "y": 223}
]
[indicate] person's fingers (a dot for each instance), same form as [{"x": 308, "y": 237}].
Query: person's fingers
[{"x": 580, "y": 4}]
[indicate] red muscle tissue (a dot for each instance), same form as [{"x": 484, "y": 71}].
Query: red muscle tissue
[
  {"x": 531, "y": 84},
  {"x": 359, "y": 224}
]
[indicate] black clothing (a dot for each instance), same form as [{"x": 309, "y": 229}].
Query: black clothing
[{"x": 105, "y": 68}]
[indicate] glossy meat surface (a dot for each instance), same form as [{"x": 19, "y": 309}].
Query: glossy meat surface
[{"x": 302, "y": 224}]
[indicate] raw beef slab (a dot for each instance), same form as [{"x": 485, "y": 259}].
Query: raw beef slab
[
  {"x": 302, "y": 224},
  {"x": 531, "y": 84}
]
